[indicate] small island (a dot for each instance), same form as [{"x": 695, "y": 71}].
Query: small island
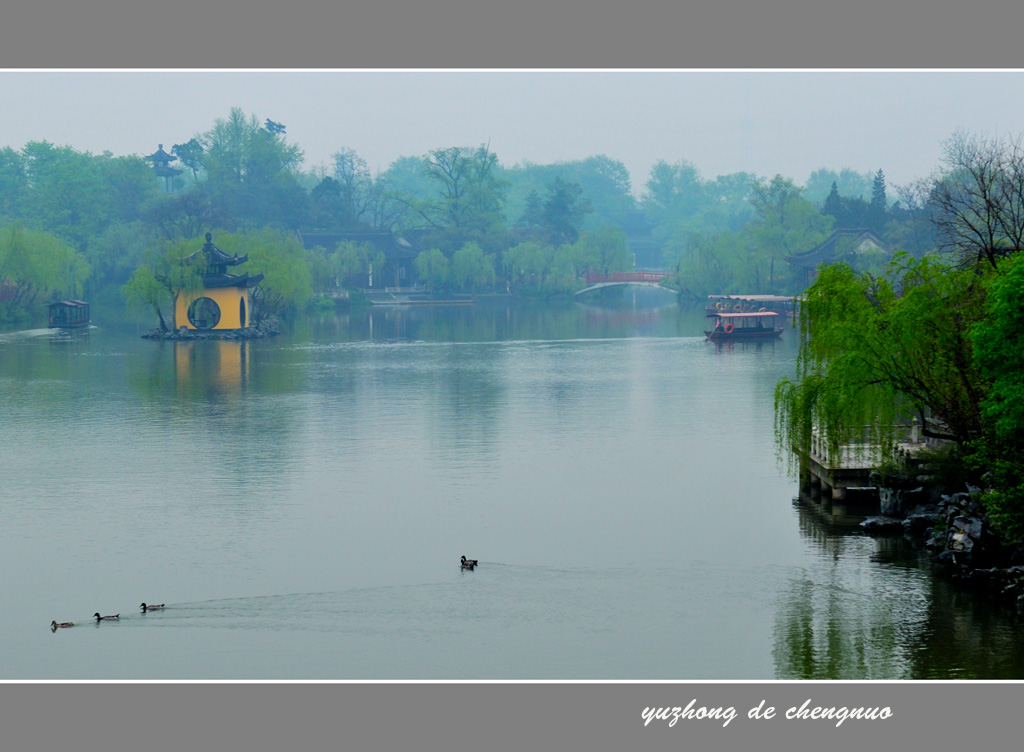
[{"x": 216, "y": 305}]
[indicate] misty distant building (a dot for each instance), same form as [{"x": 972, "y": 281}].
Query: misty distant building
[
  {"x": 860, "y": 249},
  {"x": 161, "y": 161},
  {"x": 641, "y": 243}
]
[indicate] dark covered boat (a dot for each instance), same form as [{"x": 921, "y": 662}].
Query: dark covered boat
[
  {"x": 69, "y": 314},
  {"x": 750, "y": 325}
]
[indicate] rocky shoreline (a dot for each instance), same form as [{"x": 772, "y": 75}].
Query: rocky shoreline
[
  {"x": 957, "y": 533},
  {"x": 268, "y": 327}
]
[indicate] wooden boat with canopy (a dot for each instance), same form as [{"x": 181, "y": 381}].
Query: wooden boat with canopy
[
  {"x": 745, "y": 326},
  {"x": 69, "y": 314}
]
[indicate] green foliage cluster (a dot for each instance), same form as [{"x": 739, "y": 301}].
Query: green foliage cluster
[
  {"x": 284, "y": 263},
  {"x": 877, "y": 352},
  {"x": 751, "y": 258},
  {"x": 34, "y": 262},
  {"x": 167, "y": 271},
  {"x": 603, "y": 183},
  {"x": 999, "y": 347}
]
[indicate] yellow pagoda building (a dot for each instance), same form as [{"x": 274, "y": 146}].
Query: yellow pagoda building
[{"x": 223, "y": 301}]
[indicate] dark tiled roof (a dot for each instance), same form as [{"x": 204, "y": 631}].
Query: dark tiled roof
[
  {"x": 231, "y": 280},
  {"x": 217, "y": 256},
  {"x": 825, "y": 251},
  {"x": 160, "y": 156},
  {"x": 636, "y": 223}
]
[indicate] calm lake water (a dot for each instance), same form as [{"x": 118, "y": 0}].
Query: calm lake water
[{"x": 301, "y": 503}]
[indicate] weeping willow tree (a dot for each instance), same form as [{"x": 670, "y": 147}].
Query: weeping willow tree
[
  {"x": 166, "y": 273},
  {"x": 284, "y": 263},
  {"x": 34, "y": 263},
  {"x": 878, "y": 352}
]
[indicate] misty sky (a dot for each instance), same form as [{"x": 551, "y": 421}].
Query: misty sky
[{"x": 761, "y": 122}]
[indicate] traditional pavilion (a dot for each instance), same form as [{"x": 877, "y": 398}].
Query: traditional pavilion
[
  {"x": 162, "y": 166},
  {"x": 223, "y": 301}
]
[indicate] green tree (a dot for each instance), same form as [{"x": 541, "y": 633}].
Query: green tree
[
  {"x": 280, "y": 257},
  {"x": 710, "y": 264},
  {"x": 567, "y": 264},
  {"x": 674, "y": 193},
  {"x": 251, "y": 173},
  {"x": 605, "y": 250},
  {"x": 168, "y": 271},
  {"x": 190, "y": 154},
  {"x": 471, "y": 268},
  {"x": 729, "y": 205},
  {"x": 350, "y": 260},
  {"x": 999, "y": 349},
  {"x": 325, "y": 210},
  {"x": 117, "y": 251},
  {"x": 132, "y": 184},
  {"x": 877, "y": 352},
  {"x": 433, "y": 268},
  {"x": 690, "y": 211},
  {"x": 851, "y": 213},
  {"x": 13, "y": 184},
  {"x": 355, "y": 186},
  {"x": 526, "y": 265},
  {"x": 785, "y": 224},
  {"x": 184, "y": 216},
  {"x": 562, "y": 212},
  {"x": 849, "y": 183},
  {"x": 912, "y": 227},
  {"x": 68, "y": 195},
  {"x": 143, "y": 289},
  {"x": 468, "y": 201},
  {"x": 878, "y": 211},
  {"x": 605, "y": 185},
  {"x": 531, "y": 222},
  {"x": 33, "y": 263}
]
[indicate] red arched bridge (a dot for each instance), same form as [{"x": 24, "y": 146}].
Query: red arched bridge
[{"x": 597, "y": 280}]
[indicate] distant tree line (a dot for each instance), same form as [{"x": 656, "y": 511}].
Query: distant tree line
[{"x": 528, "y": 229}]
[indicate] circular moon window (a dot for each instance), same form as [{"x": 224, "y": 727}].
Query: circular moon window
[{"x": 204, "y": 313}]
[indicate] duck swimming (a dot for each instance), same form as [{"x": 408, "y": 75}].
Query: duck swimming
[
  {"x": 55, "y": 626},
  {"x": 115, "y": 617},
  {"x": 468, "y": 563},
  {"x": 154, "y": 607}
]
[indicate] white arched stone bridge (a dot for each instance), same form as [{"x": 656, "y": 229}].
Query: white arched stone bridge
[{"x": 617, "y": 279}]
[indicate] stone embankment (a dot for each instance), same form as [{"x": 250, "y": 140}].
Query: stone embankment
[
  {"x": 957, "y": 533},
  {"x": 268, "y": 327}
]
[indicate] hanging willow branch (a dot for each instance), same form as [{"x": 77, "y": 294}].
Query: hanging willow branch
[{"x": 877, "y": 352}]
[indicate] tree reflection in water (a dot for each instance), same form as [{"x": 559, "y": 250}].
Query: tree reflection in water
[{"x": 879, "y": 613}]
